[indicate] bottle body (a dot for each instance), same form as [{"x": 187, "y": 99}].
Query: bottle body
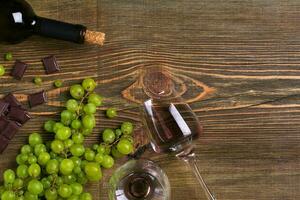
[{"x": 17, "y": 21}]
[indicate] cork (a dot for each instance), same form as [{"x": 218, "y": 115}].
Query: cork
[{"x": 94, "y": 37}]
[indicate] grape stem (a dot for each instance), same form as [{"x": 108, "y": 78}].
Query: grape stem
[{"x": 80, "y": 104}]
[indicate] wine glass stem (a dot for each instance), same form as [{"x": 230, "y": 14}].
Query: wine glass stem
[{"x": 191, "y": 161}]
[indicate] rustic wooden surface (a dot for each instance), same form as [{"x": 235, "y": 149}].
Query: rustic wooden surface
[{"x": 237, "y": 63}]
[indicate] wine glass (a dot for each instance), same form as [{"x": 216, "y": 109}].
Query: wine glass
[
  {"x": 171, "y": 123},
  {"x": 139, "y": 180}
]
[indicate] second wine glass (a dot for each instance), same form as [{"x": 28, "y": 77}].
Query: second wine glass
[{"x": 171, "y": 123}]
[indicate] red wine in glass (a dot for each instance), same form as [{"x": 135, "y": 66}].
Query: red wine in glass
[{"x": 171, "y": 123}]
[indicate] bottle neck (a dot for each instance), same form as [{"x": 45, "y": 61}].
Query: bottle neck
[{"x": 59, "y": 30}]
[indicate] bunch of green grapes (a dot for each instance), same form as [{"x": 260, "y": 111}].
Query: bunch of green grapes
[{"x": 60, "y": 168}]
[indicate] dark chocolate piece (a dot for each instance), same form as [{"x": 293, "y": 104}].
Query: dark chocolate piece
[
  {"x": 3, "y": 143},
  {"x": 12, "y": 100},
  {"x": 51, "y": 65},
  {"x": 37, "y": 98},
  {"x": 18, "y": 114},
  {"x": 3, "y": 123},
  {"x": 3, "y": 107},
  {"x": 19, "y": 69},
  {"x": 11, "y": 129}
]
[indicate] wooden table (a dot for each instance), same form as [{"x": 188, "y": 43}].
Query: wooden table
[{"x": 237, "y": 62}]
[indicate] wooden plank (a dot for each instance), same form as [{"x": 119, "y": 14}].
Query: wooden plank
[{"x": 236, "y": 62}]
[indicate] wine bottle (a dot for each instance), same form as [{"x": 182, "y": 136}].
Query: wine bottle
[{"x": 18, "y": 22}]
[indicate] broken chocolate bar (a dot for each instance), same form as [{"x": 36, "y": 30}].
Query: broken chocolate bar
[
  {"x": 12, "y": 100},
  {"x": 19, "y": 69},
  {"x": 37, "y": 98},
  {"x": 3, "y": 107},
  {"x": 18, "y": 114},
  {"x": 51, "y": 65},
  {"x": 3, "y": 143},
  {"x": 11, "y": 129}
]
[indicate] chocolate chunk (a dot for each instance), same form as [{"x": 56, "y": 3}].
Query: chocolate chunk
[
  {"x": 18, "y": 114},
  {"x": 3, "y": 143},
  {"x": 3, "y": 123},
  {"x": 11, "y": 129},
  {"x": 3, "y": 107},
  {"x": 51, "y": 65},
  {"x": 19, "y": 69},
  {"x": 12, "y": 100},
  {"x": 37, "y": 98}
]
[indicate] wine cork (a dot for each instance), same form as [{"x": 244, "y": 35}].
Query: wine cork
[{"x": 94, "y": 37}]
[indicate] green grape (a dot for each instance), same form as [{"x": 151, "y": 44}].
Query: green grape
[
  {"x": 8, "y": 56},
  {"x": 26, "y": 149},
  {"x": 66, "y": 117},
  {"x": 32, "y": 159},
  {"x": 46, "y": 183},
  {"x": 39, "y": 148},
  {"x": 35, "y": 187},
  {"x": 9, "y": 176},
  {"x": 99, "y": 158},
  {"x": 65, "y": 191},
  {"x": 101, "y": 149},
  {"x": 81, "y": 178},
  {"x": 111, "y": 113},
  {"x": 108, "y": 136},
  {"x": 29, "y": 196},
  {"x": 88, "y": 121},
  {"x": 78, "y": 138},
  {"x": 89, "y": 84},
  {"x": 83, "y": 163},
  {"x": 118, "y": 133},
  {"x": 76, "y": 124},
  {"x": 57, "y": 146},
  {"x": 77, "y": 169},
  {"x": 52, "y": 154},
  {"x": 95, "y": 147},
  {"x": 72, "y": 105},
  {"x": 8, "y": 195},
  {"x": 49, "y": 125},
  {"x": 18, "y": 183},
  {"x": 77, "y": 91},
  {"x": 18, "y": 160},
  {"x": 89, "y": 108},
  {"x": 23, "y": 158},
  {"x": 95, "y": 99},
  {"x": 127, "y": 128},
  {"x": 108, "y": 162},
  {"x": 76, "y": 188},
  {"x": 125, "y": 147},
  {"x": 115, "y": 153},
  {"x": 59, "y": 181},
  {"x": 86, "y": 196},
  {"x": 68, "y": 179},
  {"x": 37, "y": 80},
  {"x": 51, "y": 194},
  {"x": 43, "y": 158},
  {"x": 52, "y": 166},
  {"x": 107, "y": 150},
  {"x": 77, "y": 150},
  {"x": 58, "y": 83},
  {"x": 57, "y": 126},
  {"x": 66, "y": 166},
  {"x": 128, "y": 137},
  {"x": 68, "y": 143},
  {"x": 89, "y": 154},
  {"x": 35, "y": 139},
  {"x": 73, "y": 197},
  {"x": 2, "y": 70},
  {"x": 34, "y": 170},
  {"x": 93, "y": 171},
  {"x": 76, "y": 160},
  {"x": 86, "y": 131},
  {"x": 63, "y": 133},
  {"x": 22, "y": 171}
]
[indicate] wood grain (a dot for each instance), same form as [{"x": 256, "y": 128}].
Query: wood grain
[{"x": 236, "y": 63}]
